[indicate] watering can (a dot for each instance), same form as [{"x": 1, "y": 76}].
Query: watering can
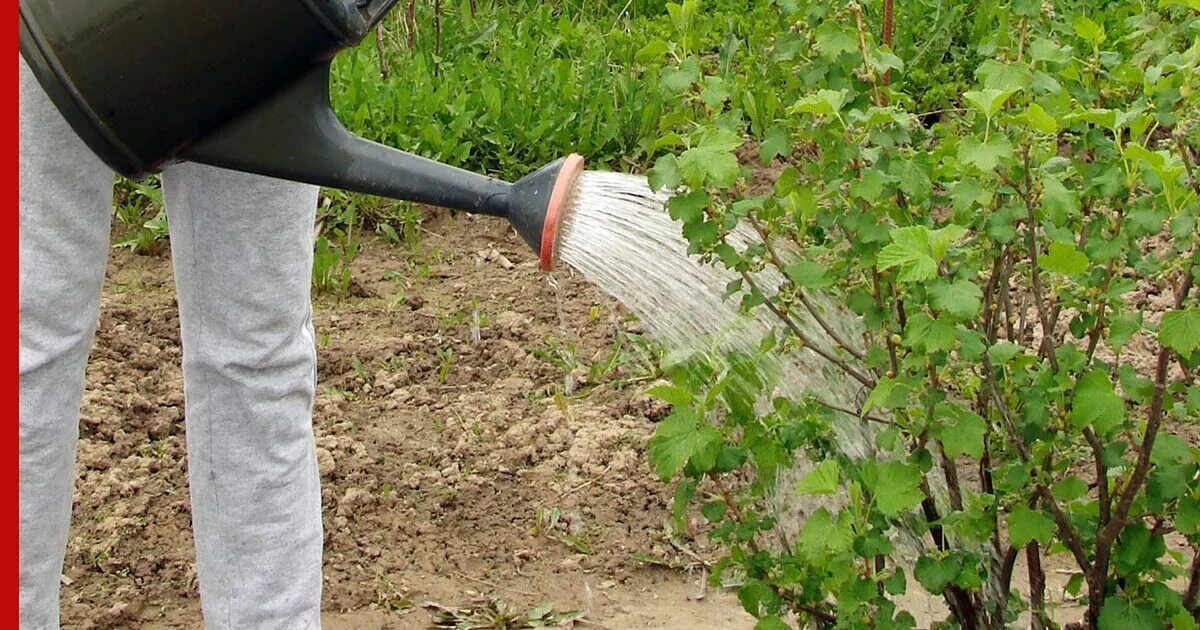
[{"x": 245, "y": 86}]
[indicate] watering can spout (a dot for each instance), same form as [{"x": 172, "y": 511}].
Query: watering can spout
[{"x": 295, "y": 135}]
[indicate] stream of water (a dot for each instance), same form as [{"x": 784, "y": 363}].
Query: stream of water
[{"x": 619, "y": 235}]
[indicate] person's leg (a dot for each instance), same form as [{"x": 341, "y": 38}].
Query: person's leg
[
  {"x": 242, "y": 250},
  {"x": 65, "y": 213}
]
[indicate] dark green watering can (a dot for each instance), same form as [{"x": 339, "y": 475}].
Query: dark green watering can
[{"x": 245, "y": 85}]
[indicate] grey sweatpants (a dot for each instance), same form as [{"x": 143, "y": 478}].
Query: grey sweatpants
[{"x": 242, "y": 252}]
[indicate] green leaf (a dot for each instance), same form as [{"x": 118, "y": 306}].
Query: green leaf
[
  {"x": 683, "y": 434},
  {"x": 916, "y": 250},
  {"x": 887, "y": 394},
  {"x": 970, "y": 344},
  {"x": 1074, "y": 584},
  {"x": 1183, "y": 620},
  {"x": 822, "y": 103},
  {"x": 996, "y": 75},
  {"x": 897, "y": 486},
  {"x": 671, "y": 394},
  {"x": 702, "y": 166},
  {"x": 962, "y": 299},
  {"x": 768, "y": 454},
  {"x": 940, "y": 335},
  {"x": 1136, "y": 387},
  {"x": 757, "y": 598},
  {"x": 909, "y": 250},
  {"x": 712, "y": 160},
  {"x": 968, "y": 194},
  {"x": 653, "y": 50},
  {"x": 1180, "y": 331},
  {"x": 1002, "y": 352},
  {"x": 1065, "y": 259},
  {"x": 1187, "y": 519},
  {"x": 1026, "y": 8},
  {"x": 688, "y": 208},
  {"x": 1089, "y": 30},
  {"x": 1096, "y": 404},
  {"x": 665, "y": 174},
  {"x": 807, "y": 274},
  {"x": 730, "y": 458},
  {"x": 540, "y": 612},
  {"x": 822, "y": 536},
  {"x": 714, "y": 93},
  {"x": 1170, "y": 449},
  {"x": 1069, "y": 489},
  {"x": 832, "y": 40},
  {"x": 870, "y": 186},
  {"x": 719, "y": 139},
  {"x": 714, "y": 511},
  {"x": 680, "y": 79},
  {"x": 1048, "y": 50},
  {"x": 1118, "y": 614},
  {"x": 941, "y": 239},
  {"x": 964, "y": 436},
  {"x": 1058, "y": 201},
  {"x": 883, "y": 61},
  {"x": 1043, "y": 83},
  {"x": 702, "y": 233},
  {"x": 935, "y": 574},
  {"x": 1101, "y": 117},
  {"x": 823, "y": 479},
  {"x": 914, "y": 180},
  {"x": 989, "y": 101},
  {"x": 778, "y": 143},
  {"x": 1122, "y": 329},
  {"x": 684, "y": 493},
  {"x": 896, "y": 584},
  {"x": 1025, "y": 525},
  {"x": 985, "y": 156},
  {"x": 1038, "y": 120}
]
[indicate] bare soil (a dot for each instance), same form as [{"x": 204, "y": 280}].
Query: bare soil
[{"x": 463, "y": 401}]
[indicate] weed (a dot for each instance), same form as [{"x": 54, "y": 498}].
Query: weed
[
  {"x": 558, "y": 353},
  {"x": 395, "y": 363},
  {"x": 361, "y": 371},
  {"x": 447, "y": 363},
  {"x": 548, "y": 523},
  {"x": 333, "y": 391},
  {"x": 139, "y": 209},
  {"x": 494, "y": 614}
]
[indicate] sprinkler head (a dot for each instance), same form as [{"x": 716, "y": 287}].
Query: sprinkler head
[{"x": 538, "y": 203}]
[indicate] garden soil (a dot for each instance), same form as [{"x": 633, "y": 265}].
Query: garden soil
[{"x": 468, "y": 449}]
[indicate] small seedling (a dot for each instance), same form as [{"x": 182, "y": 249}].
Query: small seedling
[
  {"x": 494, "y": 614},
  {"x": 447, "y": 364},
  {"x": 547, "y": 524},
  {"x": 361, "y": 371}
]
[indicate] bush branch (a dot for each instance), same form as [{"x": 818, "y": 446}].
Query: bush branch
[
  {"x": 1107, "y": 536},
  {"x": 799, "y": 334},
  {"x": 808, "y": 305},
  {"x": 1193, "y": 588}
]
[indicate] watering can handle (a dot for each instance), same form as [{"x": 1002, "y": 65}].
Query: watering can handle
[
  {"x": 295, "y": 135},
  {"x": 350, "y": 20}
]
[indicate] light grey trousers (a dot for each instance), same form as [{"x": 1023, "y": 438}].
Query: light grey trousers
[{"x": 242, "y": 252}]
